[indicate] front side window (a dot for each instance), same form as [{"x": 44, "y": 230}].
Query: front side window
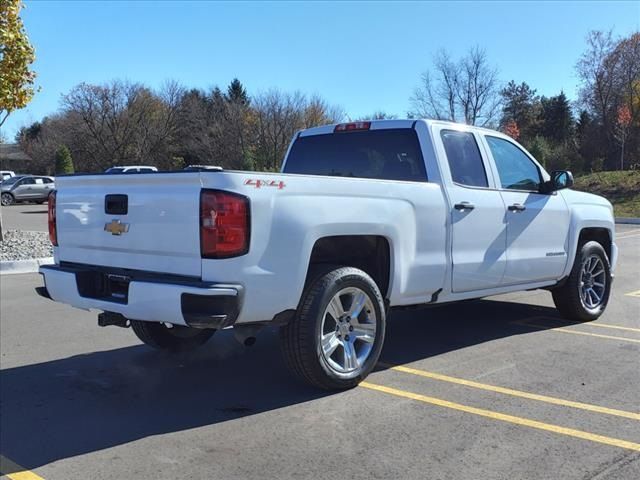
[
  {"x": 516, "y": 170},
  {"x": 465, "y": 161}
]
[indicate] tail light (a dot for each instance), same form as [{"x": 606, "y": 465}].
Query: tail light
[
  {"x": 53, "y": 231},
  {"x": 224, "y": 224},
  {"x": 351, "y": 127}
]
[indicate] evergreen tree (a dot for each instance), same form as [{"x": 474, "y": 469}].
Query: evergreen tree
[
  {"x": 236, "y": 93},
  {"x": 520, "y": 105},
  {"x": 557, "y": 120},
  {"x": 64, "y": 163},
  {"x": 589, "y": 138}
]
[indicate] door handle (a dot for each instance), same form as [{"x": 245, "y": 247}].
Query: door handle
[
  {"x": 516, "y": 207},
  {"x": 464, "y": 206}
]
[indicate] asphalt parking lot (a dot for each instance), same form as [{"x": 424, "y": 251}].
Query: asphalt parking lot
[
  {"x": 500, "y": 388},
  {"x": 25, "y": 216}
]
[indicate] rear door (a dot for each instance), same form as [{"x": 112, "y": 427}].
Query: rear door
[
  {"x": 537, "y": 223},
  {"x": 143, "y": 222},
  {"x": 477, "y": 212},
  {"x": 49, "y": 186},
  {"x": 39, "y": 189}
]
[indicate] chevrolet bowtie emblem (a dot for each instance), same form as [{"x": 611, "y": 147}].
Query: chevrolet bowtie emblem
[{"x": 116, "y": 227}]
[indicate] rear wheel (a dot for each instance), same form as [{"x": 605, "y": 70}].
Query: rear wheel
[
  {"x": 585, "y": 294},
  {"x": 173, "y": 338},
  {"x": 6, "y": 199},
  {"x": 335, "y": 339}
]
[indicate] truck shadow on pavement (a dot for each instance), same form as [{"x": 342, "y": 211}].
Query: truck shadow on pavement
[{"x": 86, "y": 403}]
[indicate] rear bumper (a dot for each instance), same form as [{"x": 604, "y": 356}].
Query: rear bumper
[{"x": 195, "y": 304}]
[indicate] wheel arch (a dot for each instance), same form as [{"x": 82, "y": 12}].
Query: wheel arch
[
  {"x": 9, "y": 194},
  {"x": 370, "y": 253},
  {"x": 601, "y": 232}
]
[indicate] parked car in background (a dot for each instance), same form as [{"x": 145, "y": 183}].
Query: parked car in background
[
  {"x": 26, "y": 188},
  {"x": 131, "y": 169},
  {"x": 4, "y": 174}
]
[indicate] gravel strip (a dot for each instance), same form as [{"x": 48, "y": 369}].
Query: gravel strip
[{"x": 20, "y": 245}]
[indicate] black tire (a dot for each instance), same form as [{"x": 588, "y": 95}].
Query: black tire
[
  {"x": 7, "y": 199},
  {"x": 173, "y": 339},
  {"x": 568, "y": 299},
  {"x": 301, "y": 337}
]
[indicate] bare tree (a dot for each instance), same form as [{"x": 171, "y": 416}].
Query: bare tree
[
  {"x": 610, "y": 73},
  {"x": 478, "y": 89},
  {"x": 466, "y": 90},
  {"x": 596, "y": 68},
  {"x": 378, "y": 115},
  {"x": 278, "y": 115}
]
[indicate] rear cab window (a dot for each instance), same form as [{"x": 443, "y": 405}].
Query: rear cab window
[{"x": 388, "y": 154}]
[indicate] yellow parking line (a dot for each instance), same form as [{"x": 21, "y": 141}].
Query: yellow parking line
[
  {"x": 587, "y": 324},
  {"x": 514, "y": 393},
  {"x": 614, "y": 442},
  {"x": 17, "y": 472},
  {"x": 575, "y": 332},
  {"x": 634, "y": 294},
  {"x": 608, "y": 325},
  {"x": 619, "y": 237}
]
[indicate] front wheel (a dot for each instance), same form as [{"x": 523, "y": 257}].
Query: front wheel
[
  {"x": 336, "y": 336},
  {"x": 6, "y": 199},
  {"x": 173, "y": 338},
  {"x": 585, "y": 294}
]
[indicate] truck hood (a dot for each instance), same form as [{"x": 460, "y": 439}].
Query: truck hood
[{"x": 574, "y": 197}]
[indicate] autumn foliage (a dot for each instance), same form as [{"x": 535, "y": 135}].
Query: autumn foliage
[
  {"x": 16, "y": 57},
  {"x": 511, "y": 129}
]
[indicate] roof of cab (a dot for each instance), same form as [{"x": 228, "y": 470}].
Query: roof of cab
[{"x": 386, "y": 124}]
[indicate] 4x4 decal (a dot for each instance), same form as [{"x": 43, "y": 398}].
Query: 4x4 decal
[{"x": 279, "y": 184}]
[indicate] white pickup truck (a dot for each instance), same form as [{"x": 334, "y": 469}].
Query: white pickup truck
[{"x": 363, "y": 217}]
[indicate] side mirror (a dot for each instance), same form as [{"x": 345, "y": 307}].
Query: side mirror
[{"x": 560, "y": 179}]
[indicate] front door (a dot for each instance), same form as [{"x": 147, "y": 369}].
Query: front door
[
  {"x": 477, "y": 216},
  {"x": 537, "y": 224},
  {"x": 25, "y": 189}
]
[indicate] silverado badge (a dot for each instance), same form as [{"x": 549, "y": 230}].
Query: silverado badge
[{"x": 115, "y": 227}]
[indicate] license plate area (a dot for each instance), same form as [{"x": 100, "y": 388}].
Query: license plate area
[{"x": 109, "y": 287}]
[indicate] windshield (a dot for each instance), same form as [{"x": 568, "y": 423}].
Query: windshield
[
  {"x": 114, "y": 170},
  {"x": 392, "y": 154}
]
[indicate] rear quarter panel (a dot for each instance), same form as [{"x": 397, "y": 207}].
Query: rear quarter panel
[{"x": 289, "y": 217}]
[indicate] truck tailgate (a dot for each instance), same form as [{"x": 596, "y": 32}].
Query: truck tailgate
[{"x": 153, "y": 221}]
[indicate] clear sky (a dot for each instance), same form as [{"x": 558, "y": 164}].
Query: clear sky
[{"x": 364, "y": 56}]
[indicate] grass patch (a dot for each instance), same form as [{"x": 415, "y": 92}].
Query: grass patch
[{"x": 622, "y": 189}]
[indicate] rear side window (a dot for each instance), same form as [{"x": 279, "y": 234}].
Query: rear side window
[
  {"x": 391, "y": 154},
  {"x": 465, "y": 161}
]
